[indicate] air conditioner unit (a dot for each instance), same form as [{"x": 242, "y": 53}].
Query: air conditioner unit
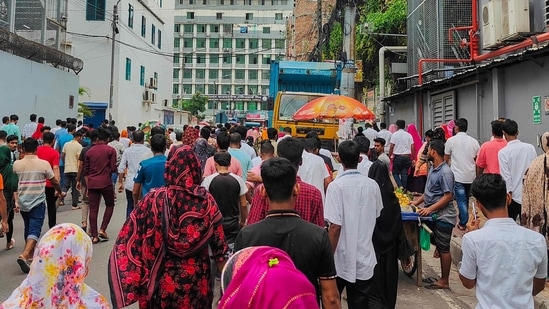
[
  {"x": 491, "y": 24},
  {"x": 147, "y": 96},
  {"x": 153, "y": 83},
  {"x": 515, "y": 16}
]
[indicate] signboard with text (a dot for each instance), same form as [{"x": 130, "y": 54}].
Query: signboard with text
[{"x": 536, "y": 109}]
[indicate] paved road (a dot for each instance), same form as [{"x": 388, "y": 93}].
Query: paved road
[{"x": 409, "y": 296}]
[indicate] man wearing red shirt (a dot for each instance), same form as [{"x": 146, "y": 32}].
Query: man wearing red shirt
[
  {"x": 308, "y": 201},
  {"x": 99, "y": 165},
  {"x": 47, "y": 153},
  {"x": 487, "y": 158}
]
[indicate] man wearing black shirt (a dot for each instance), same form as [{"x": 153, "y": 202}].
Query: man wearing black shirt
[{"x": 307, "y": 244}]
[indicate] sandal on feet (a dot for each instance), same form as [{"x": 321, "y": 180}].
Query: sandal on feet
[
  {"x": 95, "y": 240},
  {"x": 435, "y": 286},
  {"x": 24, "y": 264},
  {"x": 76, "y": 207},
  {"x": 11, "y": 244},
  {"x": 103, "y": 235},
  {"x": 429, "y": 280}
]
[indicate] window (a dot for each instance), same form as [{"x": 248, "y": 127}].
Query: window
[
  {"x": 153, "y": 34},
  {"x": 279, "y": 43},
  {"x": 214, "y": 58},
  {"x": 253, "y": 43},
  {"x": 199, "y": 88},
  {"x": 176, "y": 58},
  {"x": 175, "y": 103},
  {"x": 200, "y": 74},
  {"x": 227, "y": 43},
  {"x": 227, "y": 59},
  {"x": 443, "y": 107},
  {"x": 187, "y": 59},
  {"x": 213, "y": 74},
  {"x": 187, "y": 43},
  {"x": 226, "y": 75},
  {"x": 239, "y": 105},
  {"x": 218, "y": 16},
  {"x": 191, "y": 1},
  {"x": 204, "y": 2},
  {"x": 253, "y": 59},
  {"x": 227, "y": 28},
  {"x": 188, "y": 28},
  {"x": 187, "y": 88},
  {"x": 143, "y": 26},
  {"x": 177, "y": 28},
  {"x": 278, "y": 16},
  {"x": 212, "y": 89},
  {"x": 95, "y": 10},
  {"x": 240, "y": 43},
  {"x": 262, "y": 2},
  {"x": 201, "y": 43},
  {"x": 239, "y": 74},
  {"x": 187, "y": 73},
  {"x": 252, "y": 75},
  {"x": 265, "y": 43},
  {"x": 176, "y": 73},
  {"x": 214, "y": 43},
  {"x": 190, "y": 15},
  {"x": 214, "y": 28},
  {"x": 142, "y": 75},
  {"x": 226, "y": 89},
  {"x": 266, "y": 29},
  {"x": 175, "y": 89},
  {"x": 252, "y": 89},
  {"x": 200, "y": 58},
  {"x": 159, "y": 41},
  {"x": 201, "y": 28},
  {"x": 265, "y": 75},
  {"x": 211, "y": 104},
  {"x": 252, "y": 106},
  {"x": 266, "y": 59},
  {"x": 130, "y": 16},
  {"x": 155, "y": 75},
  {"x": 239, "y": 59},
  {"x": 249, "y": 16},
  {"x": 128, "y": 69},
  {"x": 232, "y": 2}
]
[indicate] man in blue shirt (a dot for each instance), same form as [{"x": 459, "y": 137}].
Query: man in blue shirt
[
  {"x": 151, "y": 171},
  {"x": 239, "y": 154}
]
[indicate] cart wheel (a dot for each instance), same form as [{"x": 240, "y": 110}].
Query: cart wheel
[{"x": 411, "y": 267}]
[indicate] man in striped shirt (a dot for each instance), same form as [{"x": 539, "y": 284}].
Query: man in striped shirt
[{"x": 31, "y": 197}]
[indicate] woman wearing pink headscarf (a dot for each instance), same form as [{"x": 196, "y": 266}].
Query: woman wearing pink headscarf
[
  {"x": 393, "y": 128},
  {"x": 258, "y": 277},
  {"x": 415, "y": 183}
]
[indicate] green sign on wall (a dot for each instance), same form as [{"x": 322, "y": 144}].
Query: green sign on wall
[{"x": 536, "y": 109}]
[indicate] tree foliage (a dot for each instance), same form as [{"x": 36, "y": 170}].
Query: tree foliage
[
  {"x": 335, "y": 43},
  {"x": 83, "y": 109},
  {"x": 379, "y": 16},
  {"x": 196, "y": 104}
]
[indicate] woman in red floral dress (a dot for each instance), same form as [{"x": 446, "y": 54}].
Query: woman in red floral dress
[{"x": 161, "y": 258}]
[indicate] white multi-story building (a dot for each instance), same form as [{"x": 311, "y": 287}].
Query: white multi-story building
[
  {"x": 223, "y": 48},
  {"x": 142, "y": 58}
]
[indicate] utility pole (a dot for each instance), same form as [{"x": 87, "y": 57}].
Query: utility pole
[
  {"x": 349, "y": 69},
  {"x": 114, "y": 33}
]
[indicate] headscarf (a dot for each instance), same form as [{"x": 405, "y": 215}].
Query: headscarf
[
  {"x": 258, "y": 277},
  {"x": 535, "y": 192},
  {"x": 124, "y": 133},
  {"x": 37, "y": 133},
  {"x": 203, "y": 151},
  {"x": 57, "y": 273},
  {"x": 450, "y": 128},
  {"x": 189, "y": 136},
  {"x": 389, "y": 223},
  {"x": 184, "y": 231},
  {"x": 417, "y": 139},
  {"x": 393, "y": 128},
  {"x": 11, "y": 181}
]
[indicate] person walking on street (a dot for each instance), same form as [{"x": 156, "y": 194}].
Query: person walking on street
[
  {"x": 12, "y": 129},
  {"x": 351, "y": 226},
  {"x": 10, "y": 181},
  {"x": 386, "y": 135},
  {"x": 46, "y": 152},
  {"x": 402, "y": 147},
  {"x": 487, "y": 155},
  {"x": 30, "y": 128},
  {"x": 71, "y": 152},
  {"x": 514, "y": 160},
  {"x": 99, "y": 165},
  {"x": 150, "y": 174},
  {"x": 437, "y": 198},
  {"x": 506, "y": 263},
  {"x": 31, "y": 197},
  {"x": 460, "y": 153}
]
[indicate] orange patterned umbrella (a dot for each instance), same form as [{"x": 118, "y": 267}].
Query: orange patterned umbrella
[{"x": 334, "y": 107}]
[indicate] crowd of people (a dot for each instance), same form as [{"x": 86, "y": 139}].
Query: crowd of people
[{"x": 253, "y": 207}]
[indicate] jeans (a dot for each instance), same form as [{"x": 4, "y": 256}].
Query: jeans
[
  {"x": 461, "y": 191},
  {"x": 114, "y": 178},
  {"x": 401, "y": 164},
  {"x": 129, "y": 205},
  {"x": 62, "y": 176},
  {"x": 70, "y": 182},
  {"x": 33, "y": 221},
  {"x": 94, "y": 197},
  {"x": 358, "y": 293},
  {"x": 52, "y": 208}
]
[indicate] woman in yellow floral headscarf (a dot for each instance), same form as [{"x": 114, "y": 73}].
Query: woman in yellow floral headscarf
[{"x": 57, "y": 273}]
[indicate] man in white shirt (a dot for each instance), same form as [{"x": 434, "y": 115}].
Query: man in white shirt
[
  {"x": 364, "y": 162},
  {"x": 506, "y": 262},
  {"x": 514, "y": 160},
  {"x": 352, "y": 223},
  {"x": 30, "y": 128},
  {"x": 370, "y": 133},
  {"x": 129, "y": 164},
  {"x": 386, "y": 135},
  {"x": 313, "y": 171},
  {"x": 460, "y": 153},
  {"x": 402, "y": 147}
]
